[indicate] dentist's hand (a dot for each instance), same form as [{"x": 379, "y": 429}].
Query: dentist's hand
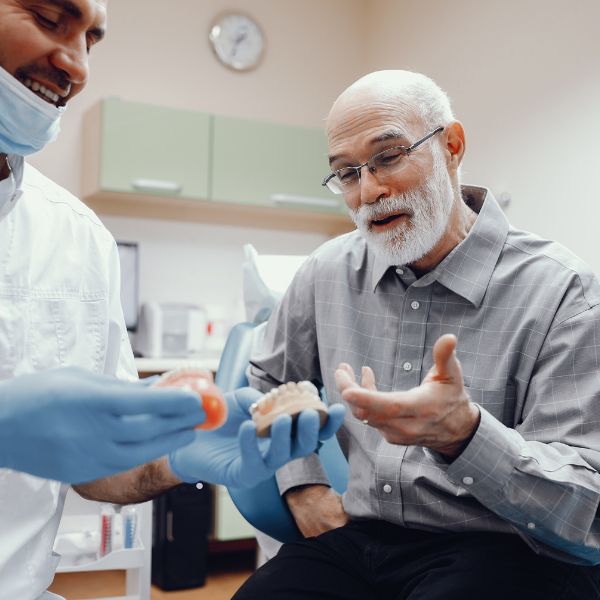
[
  {"x": 75, "y": 426},
  {"x": 233, "y": 456}
]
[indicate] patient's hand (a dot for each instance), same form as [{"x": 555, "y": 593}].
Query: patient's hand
[
  {"x": 437, "y": 414},
  {"x": 316, "y": 509}
]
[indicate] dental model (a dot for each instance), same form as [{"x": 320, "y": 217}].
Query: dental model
[
  {"x": 287, "y": 399},
  {"x": 199, "y": 381}
]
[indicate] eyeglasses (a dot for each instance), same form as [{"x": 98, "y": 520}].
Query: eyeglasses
[{"x": 382, "y": 164}]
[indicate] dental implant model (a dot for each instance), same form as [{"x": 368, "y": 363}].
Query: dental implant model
[
  {"x": 199, "y": 381},
  {"x": 287, "y": 399}
]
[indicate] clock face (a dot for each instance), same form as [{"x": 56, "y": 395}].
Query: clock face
[{"x": 237, "y": 41}]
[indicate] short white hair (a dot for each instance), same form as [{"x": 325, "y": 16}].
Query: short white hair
[{"x": 412, "y": 92}]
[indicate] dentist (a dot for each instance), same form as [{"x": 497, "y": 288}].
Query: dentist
[{"x": 64, "y": 414}]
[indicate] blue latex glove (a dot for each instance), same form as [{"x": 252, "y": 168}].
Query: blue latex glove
[
  {"x": 75, "y": 426},
  {"x": 233, "y": 456}
]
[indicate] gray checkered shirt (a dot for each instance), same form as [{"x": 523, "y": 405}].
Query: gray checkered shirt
[{"x": 527, "y": 317}]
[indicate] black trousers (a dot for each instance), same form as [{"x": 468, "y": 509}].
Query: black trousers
[{"x": 376, "y": 560}]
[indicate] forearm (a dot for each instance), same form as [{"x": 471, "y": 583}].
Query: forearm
[
  {"x": 316, "y": 509},
  {"x": 137, "y": 485},
  {"x": 547, "y": 491}
]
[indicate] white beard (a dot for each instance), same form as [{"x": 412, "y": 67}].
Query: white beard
[{"x": 428, "y": 207}]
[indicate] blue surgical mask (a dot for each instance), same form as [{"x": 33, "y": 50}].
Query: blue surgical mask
[{"x": 27, "y": 123}]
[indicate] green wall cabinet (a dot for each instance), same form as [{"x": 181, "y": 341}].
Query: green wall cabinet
[
  {"x": 265, "y": 164},
  {"x": 153, "y": 150},
  {"x": 166, "y": 163}
]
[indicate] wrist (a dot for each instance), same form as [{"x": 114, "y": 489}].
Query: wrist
[
  {"x": 456, "y": 448},
  {"x": 172, "y": 471},
  {"x": 299, "y": 494}
]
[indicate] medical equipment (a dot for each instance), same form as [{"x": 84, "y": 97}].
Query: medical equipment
[
  {"x": 287, "y": 399},
  {"x": 233, "y": 456},
  {"x": 199, "y": 381},
  {"x": 129, "y": 262},
  {"x": 129, "y": 518},
  {"x": 171, "y": 329},
  {"x": 28, "y": 122},
  {"x": 107, "y": 519},
  {"x": 100, "y": 425}
]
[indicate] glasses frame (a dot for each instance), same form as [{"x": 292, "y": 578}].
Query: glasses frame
[{"x": 405, "y": 151}]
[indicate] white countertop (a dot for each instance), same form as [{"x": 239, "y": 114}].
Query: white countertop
[{"x": 159, "y": 365}]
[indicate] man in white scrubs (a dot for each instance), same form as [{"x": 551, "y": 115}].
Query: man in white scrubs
[
  {"x": 59, "y": 307},
  {"x": 59, "y": 297}
]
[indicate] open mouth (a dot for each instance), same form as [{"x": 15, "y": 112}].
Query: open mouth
[
  {"x": 45, "y": 93},
  {"x": 387, "y": 220}
]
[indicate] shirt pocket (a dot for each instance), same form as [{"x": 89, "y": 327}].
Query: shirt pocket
[
  {"x": 12, "y": 334},
  {"x": 500, "y": 403},
  {"x": 67, "y": 331}
]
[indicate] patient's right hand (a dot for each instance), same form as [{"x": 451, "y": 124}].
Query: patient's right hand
[{"x": 316, "y": 509}]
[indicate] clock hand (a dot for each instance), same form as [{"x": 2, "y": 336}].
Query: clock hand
[{"x": 237, "y": 41}]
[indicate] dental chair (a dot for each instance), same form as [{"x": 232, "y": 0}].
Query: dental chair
[{"x": 262, "y": 506}]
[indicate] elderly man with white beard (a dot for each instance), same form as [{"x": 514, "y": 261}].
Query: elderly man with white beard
[{"x": 472, "y": 440}]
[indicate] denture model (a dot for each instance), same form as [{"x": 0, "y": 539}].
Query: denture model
[
  {"x": 287, "y": 399},
  {"x": 199, "y": 381}
]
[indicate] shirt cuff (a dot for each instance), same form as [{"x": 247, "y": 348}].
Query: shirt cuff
[
  {"x": 302, "y": 471},
  {"x": 487, "y": 463}
]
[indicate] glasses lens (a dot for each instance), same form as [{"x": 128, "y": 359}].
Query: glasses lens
[
  {"x": 347, "y": 177},
  {"x": 389, "y": 160},
  {"x": 334, "y": 185}
]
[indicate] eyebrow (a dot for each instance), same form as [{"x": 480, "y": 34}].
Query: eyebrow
[
  {"x": 75, "y": 12},
  {"x": 392, "y": 134}
]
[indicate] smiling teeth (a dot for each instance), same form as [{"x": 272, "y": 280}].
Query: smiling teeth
[{"x": 40, "y": 89}]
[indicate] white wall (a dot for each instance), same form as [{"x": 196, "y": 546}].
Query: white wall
[
  {"x": 157, "y": 52},
  {"x": 524, "y": 77}
]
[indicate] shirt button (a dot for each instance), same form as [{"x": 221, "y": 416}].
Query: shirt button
[
  {"x": 407, "y": 366},
  {"x": 199, "y": 485},
  {"x": 530, "y": 525},
  {"x": 400, "y": 271},
  {"x": 467, "y": 480},
  {"x": 387, "y": 488},
  {"x": 415, "y": 305}
]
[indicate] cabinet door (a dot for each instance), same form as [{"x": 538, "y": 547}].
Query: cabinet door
[
  {"x": 267, "y": 164},
  {"x": 154, "y": 150}
]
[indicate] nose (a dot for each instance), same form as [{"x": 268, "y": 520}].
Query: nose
[
  {"x": 72, "y": 59},
  {"x": 371, "y": 189}
]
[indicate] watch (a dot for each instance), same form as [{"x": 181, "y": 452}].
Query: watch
[{"x": 237, "y": 41}]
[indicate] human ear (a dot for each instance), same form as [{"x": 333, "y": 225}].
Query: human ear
[{"x": 455, "y": 144}]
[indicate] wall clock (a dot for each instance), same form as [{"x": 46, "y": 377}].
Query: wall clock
[{"x": 238, "y": 41}]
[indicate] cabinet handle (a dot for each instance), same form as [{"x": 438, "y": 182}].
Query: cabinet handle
[
  {"x": 170, "y": 537},
  {"x": 157, "y": 185},
  {"x": 305, "y": 200}
]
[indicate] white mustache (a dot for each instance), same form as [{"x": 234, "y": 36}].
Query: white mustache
[{"x": 381, "y": 209}]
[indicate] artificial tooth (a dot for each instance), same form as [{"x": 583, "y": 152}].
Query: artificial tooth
[
  {"x": 266, "y": 404},
  {"x": 307, "y": 386}
]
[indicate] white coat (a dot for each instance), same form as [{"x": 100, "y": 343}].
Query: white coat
[{"x": 59, "y": 306}]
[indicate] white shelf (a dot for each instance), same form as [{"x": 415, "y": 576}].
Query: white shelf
[
  {"x": 82, "y": 518},
  {"x": 132, "y": 558}
]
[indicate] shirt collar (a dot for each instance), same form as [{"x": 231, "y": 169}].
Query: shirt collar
[
  {"x": 468, "y": 268},
  {"x": 10, "y": 188}
]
